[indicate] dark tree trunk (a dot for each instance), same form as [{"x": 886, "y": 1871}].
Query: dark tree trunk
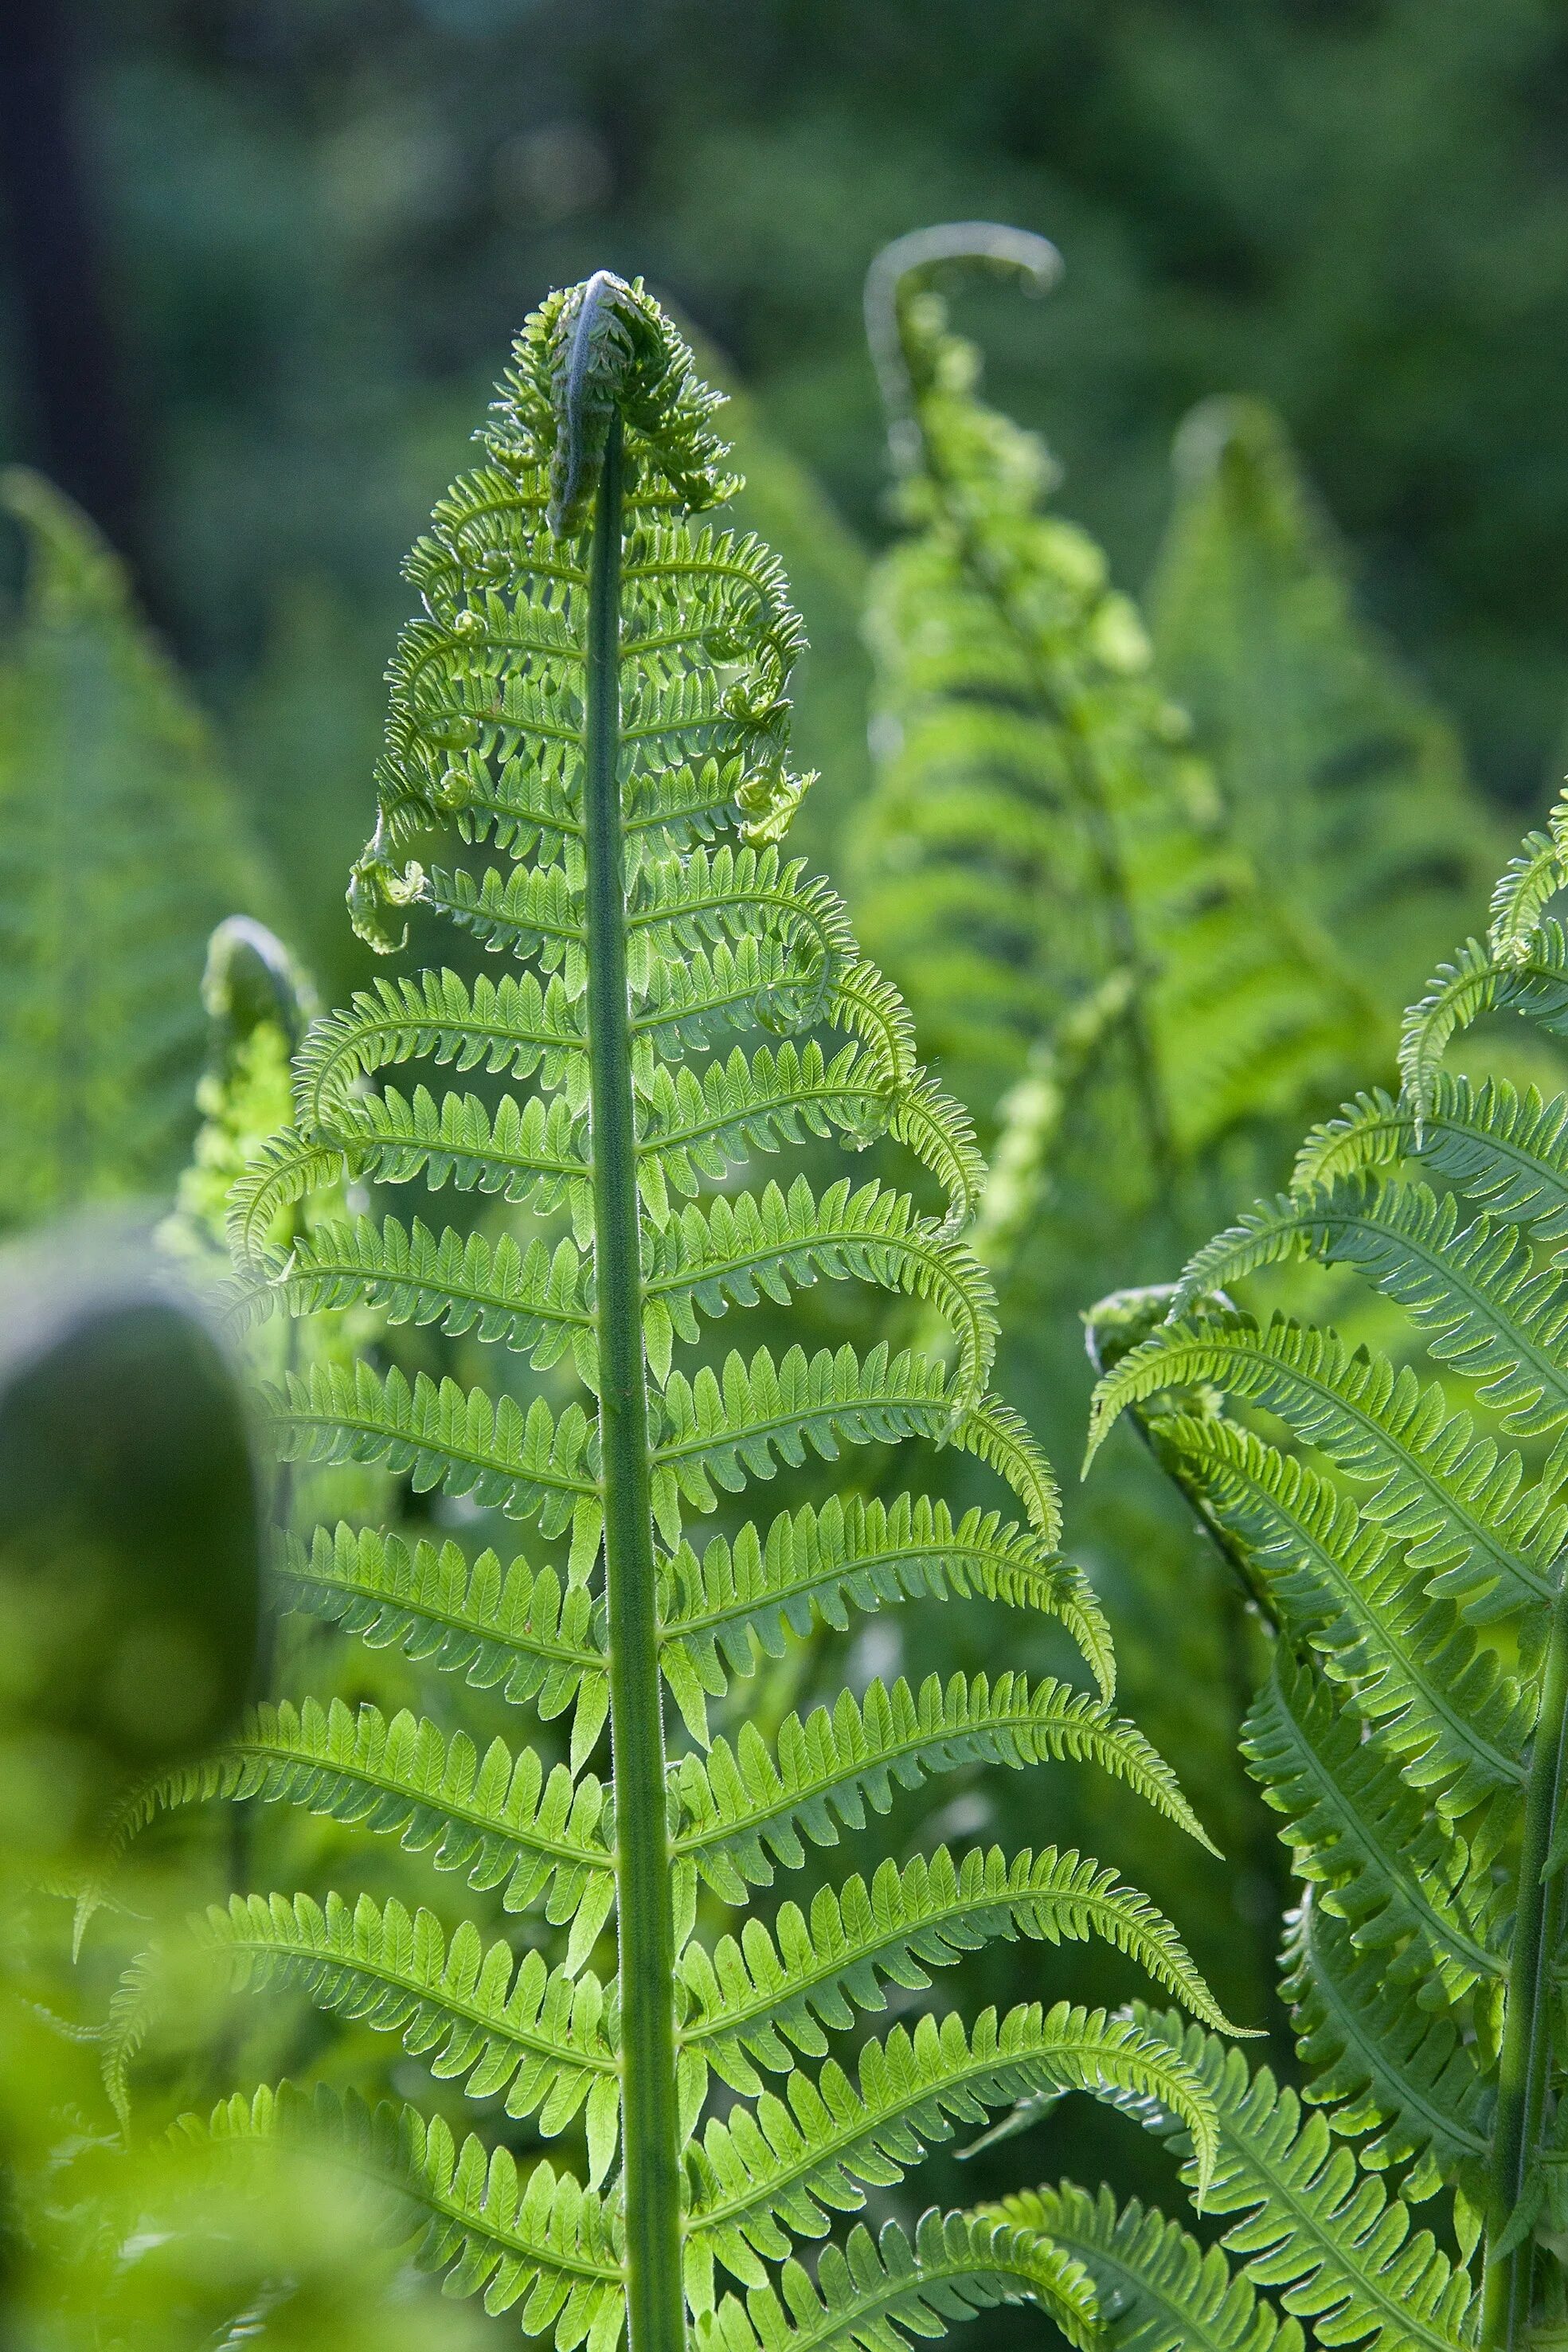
[{"x": 73, "y": 391}]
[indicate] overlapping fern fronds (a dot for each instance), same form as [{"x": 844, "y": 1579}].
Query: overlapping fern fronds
[
  {"x": 1401, "y": 1519},
  {"x": 1347, "y": 785},
  {"x": 1041, "y": 821},
  {"x": 121, "y": 847},
  {"x": 586, "y": 772},
  {"x": 1048, "y": 868}
]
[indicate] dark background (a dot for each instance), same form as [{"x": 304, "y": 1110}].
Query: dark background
[{"x": 263, "y": 257}]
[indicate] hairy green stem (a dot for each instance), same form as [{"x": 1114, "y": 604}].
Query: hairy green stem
[
  {"x": 644, "y": 1916},
  {"x": 1525, "y": 2057}
]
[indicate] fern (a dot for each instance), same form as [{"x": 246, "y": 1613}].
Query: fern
[
  {"x": 1048, "y": 867},
  {"x": 1411, "y": 1732},
  {"x": 121, "y": 847},
  {"x": 586, "y": 772},
  {"x": 1042, "y": 823},
  {"x": 1348, "y": 787},
  {"x": 1158, "y": 2290}
]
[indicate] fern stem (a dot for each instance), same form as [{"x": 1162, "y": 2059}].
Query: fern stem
[
  {"x": 644, "y": 1916},
  {"x": 1525, "y": 2056}
]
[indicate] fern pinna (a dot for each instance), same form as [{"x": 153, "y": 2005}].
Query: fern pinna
[
  {"x": 1414, "y": 1733},
  {"x": 595, "y": 695}
]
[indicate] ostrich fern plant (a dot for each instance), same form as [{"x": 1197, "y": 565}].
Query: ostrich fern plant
[
  {"x": 595, "y": 695},
  {"x": 1408, "y": 1542}
]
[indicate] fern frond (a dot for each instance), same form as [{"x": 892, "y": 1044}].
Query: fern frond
[
  {"x": 766, "y": 1996},
  {"x": 745, "y": 1808},
  {"x": 535, "y": 2238},
  {"x": 1381, "y": 2063},
  {"x": 586, "y": 771},
  {"x": 1439, "y": 1700},
  {"x": 1158, "y": 2289},
  {"x": 1040, "y": 816},
  {"x": 506, "y": 2027},
  {"x": 779, "y": 2172},
  {"x": 1331, "y": 2237},
  {"x": 876, "y": 2294},
  {"x": 1404, "y": 1881},
  {"x": 1457, "y": 1500},
  {"x": 516, "y": 1630},
  {"x": 498, "y": 1818}
]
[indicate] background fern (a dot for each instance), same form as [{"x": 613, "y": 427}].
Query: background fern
[
  {"x": 121, "y": 846},
  {"x": 595, "y": 693},
  {"x": 1407, "y": 1538},
  {"x": 1344, "y": 783},
  {"x": 1048, "y": 867}
]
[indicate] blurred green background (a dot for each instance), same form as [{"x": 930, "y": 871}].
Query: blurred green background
[{"x": 262, "y": 257}]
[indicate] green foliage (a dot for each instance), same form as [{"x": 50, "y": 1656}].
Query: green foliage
[
  {"x": 1348, "y": 787},
  {"x": 1048, "y": 868},
  {"x": 1411, "y": 1732},
  {"x": 1041, "y": 821},
  {"x": 128, "y": 1593},
  {"x": 595, "y": 693},
  {"x": 121, "y": 846}
]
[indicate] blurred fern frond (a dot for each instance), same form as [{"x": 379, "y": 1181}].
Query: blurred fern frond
[
  {"x": 121, "y": 847},
  {"x": 1345, "y": 782}
]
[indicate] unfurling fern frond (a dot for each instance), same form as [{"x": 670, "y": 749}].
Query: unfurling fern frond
[
  {"x": 1041, "y": 821},
  {"x": 1412, "y": 1732},
  {"x": 121, "y": 847},
  {"x": 586, "y": 771}
]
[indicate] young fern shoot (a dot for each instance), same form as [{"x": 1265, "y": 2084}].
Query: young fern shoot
[{"x": 594, "y": 696}]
